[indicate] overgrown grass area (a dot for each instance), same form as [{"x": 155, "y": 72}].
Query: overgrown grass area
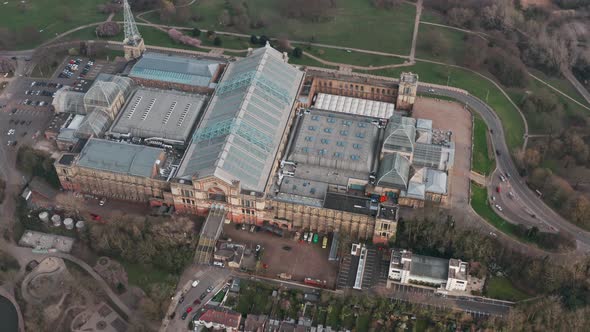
[
  {"x": 476, "y": 85},
  {"x": 354, "y": 23},
  {"x": 46, "y": 18},
  {"x": 144, "y": 276},
  {"x": 481, "y": 161},
  {"x": 451, "y": 44},
  {"x": 502, "y": 289},
  {"x": 350, "y": 57}
]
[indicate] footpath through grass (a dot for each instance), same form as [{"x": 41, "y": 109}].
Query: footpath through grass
[
  {"x": 476, "y": 85},
  {"x": 352, "y": 57},
  {"x": 481, "y": 161},
  {"x": 502, "y": 289}
]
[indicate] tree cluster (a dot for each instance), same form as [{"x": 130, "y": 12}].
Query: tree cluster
[
  {"x": 508, "y": 69},
  {"x": 179, "y": 37},
  {"x": 37, "y": 163},
  {"x": 441, "y": 238},
  {"x": 166, "y": 244},
  {"x": 108, "y": 29}
]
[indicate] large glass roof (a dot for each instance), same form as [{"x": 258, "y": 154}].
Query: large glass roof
[{"x": 241, "y": 130}]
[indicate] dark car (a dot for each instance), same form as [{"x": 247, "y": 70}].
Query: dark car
[
  {"x": 203, "y": 296},
  {"x": 184, "y": 315},
  {"x": 197, "y": 301},
  {"x": 181, "y": 299}
]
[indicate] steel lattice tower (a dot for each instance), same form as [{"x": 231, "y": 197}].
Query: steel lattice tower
[{"x": 133, "y": 43}]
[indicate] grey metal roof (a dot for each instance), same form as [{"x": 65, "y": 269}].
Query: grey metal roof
[
  {"x": 160, "y": 114},
  {"x": 394, "y": 171},
  {"x": 239, "y": 135},
  {"x": 175, "y": 69},
  {"x": 436, "y": 181},
  {"x": 335, "y": 140},
  {"x": 430, "y": 267},
  {"x": 123, "y": 158}
]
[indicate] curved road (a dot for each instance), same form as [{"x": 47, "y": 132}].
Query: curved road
[{"x": 505, "y": 165}]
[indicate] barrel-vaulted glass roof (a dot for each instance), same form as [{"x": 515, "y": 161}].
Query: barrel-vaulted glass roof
[{"x": 239, "y": 135}]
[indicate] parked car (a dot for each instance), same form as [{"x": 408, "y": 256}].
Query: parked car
[
  {"x": 195, "y": 283},
  {"x": 209, "y": 289},
  {"x": 102, "y": 201},
  {"x": 181, "y": 299},
  {"x": 184, "y": 315},
  {"x": 189, "y": 309},
  {"x": 325, "y": 242}
]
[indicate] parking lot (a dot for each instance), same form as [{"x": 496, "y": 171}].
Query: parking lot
[{"x": 284, "y": 255}]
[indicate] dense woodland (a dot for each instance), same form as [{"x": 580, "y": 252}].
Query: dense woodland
[{"x": 563, "y": 291}]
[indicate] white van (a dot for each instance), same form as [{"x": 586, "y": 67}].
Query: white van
[
  {"x": 220, "y": 264},
  {"x": 195, "y": 283}
]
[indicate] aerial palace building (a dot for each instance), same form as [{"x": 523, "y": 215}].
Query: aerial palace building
[{"x": 258, "y": 141}]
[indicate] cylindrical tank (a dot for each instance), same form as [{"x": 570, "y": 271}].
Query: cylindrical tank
[
  {"x": 69, "y": 223},
  {"x": 44, "y": 217},
  {"x": 80, "y": 224},
  {"x": 56, "y": 219}
]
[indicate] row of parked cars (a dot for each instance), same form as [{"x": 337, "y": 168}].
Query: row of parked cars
[
  {"x": 73, "y": 66},
  {"x": 44, "y": 93},
  {"x": 34, "y": 102}
]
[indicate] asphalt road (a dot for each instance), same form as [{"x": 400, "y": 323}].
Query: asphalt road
[
  {"x": 209, "y": 277},
  {"x": 528, "y": 198}
]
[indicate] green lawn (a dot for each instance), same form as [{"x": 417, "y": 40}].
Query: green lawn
[
  {"x": 230, "y": 42},
  {"x": 355, "y": 23},
  {"x": 476, "y": 85},
  {"x": 353, "y": 58},
  {"x": 432, "y": 16},
  {"x": 481, "y": 162},
  {"x": 51, "y": 16},
  {"x": 307, "y": 61},
  {"x": 501, "y": 288},
  {"x": 144, "y": 275},
  {"x": 453, "y": 39}
]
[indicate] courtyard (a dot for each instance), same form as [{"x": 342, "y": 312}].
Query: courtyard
[{"x": 284, "y": 255}]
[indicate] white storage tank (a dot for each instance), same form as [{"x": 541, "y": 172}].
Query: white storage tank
[
  {"x": 69, "y": 223},
  {"x": 56, "y": 219},
  {"x": 80, "y": 225},
  {"x": 44, "y": 217}
]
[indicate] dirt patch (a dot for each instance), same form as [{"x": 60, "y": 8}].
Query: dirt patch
[
  {"x": 446, "y": 115},
  {"x": 283, "y": 255}
]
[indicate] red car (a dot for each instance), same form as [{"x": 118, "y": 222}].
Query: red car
[
  {"x": 189, "y": 309},
  {"x": 197, "y": 301},
  {"x": 498, "y": 189}
]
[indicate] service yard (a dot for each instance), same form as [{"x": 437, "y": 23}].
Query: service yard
[
  {"x": 285, "y": 255},
  {"x": 446, "y": 115}
]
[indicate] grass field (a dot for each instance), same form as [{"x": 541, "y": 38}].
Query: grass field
[
  {"x": 355, "y": 23},
  {"x": 481, "y": 162},
  {"x": 49, "y": 17},
  {"x": 353, "y": 58},
  {"x": 501, "y": 288},
  {"x": 143, "y": 276},
  {"x": 455, "y": 40},
  {"x": 476, "y": 85}
]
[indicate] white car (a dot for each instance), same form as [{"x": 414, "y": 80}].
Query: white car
[
  {"x": 195, "y": 283},
  {"x": 498, "y": 207},
  {"x": 102, "y": 201}
]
